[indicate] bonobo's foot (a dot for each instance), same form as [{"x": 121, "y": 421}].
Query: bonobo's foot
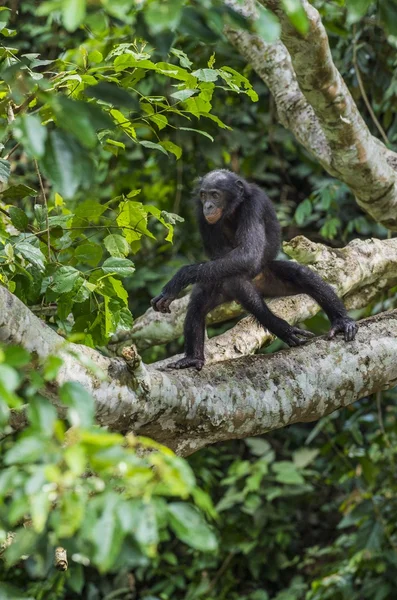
[
  {"x": 344, "y": 325},
  {"x": 293, "y": 336},
  {"x": 186, "y": 362},
  {"x": 161, "y": 303}
]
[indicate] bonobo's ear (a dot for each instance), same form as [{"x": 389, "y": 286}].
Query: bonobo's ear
[{"x": 241, "y": 187}]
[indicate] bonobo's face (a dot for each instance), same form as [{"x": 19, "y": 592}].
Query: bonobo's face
[{"x": 215, "y": 190}]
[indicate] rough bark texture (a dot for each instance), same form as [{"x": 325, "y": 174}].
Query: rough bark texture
[
  {"x": 315, "y": 104},
  {"x": 187, "y": 410}
]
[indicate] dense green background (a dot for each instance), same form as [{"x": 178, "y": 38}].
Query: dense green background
[{"x": 308, "y": 512}]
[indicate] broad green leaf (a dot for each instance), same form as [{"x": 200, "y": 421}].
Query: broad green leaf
[
  {"x": 304, "y": 456},
  {"x": 190, "y": 526},
  {"x": 163, "y": 16},
  {"x": 64, "y": 279},
  {"x": 173, "y": 148},
  {"x": 89, "y": 253},
  {"x": 26, "y": 450},
  {"x": 116, "y": 245},
  {"x": 31, "y": 133},
  {"x": 183, "y": 94},
  {"x": 160, "y": 120},
  {"x": 17, "y": 192},
  {"x": 31, "y": 254},
  {"x": 118, "y": 266},
  {"x": 66, "y": 164},
  {"x": 206, "y": 74},
  {"x": 95, "y": 56},
  {"x": 286, "y": 472},
  {"x": 18, "y": 218},
  {"x": 303, "y": 211},
  {"x": 4, "y": 170},
  {"x": 357, "y": 9},
  {"x": 73, "y": 12},
  {"x": 15, "y": 356}
]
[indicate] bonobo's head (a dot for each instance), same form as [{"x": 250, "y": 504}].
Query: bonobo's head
[{"x": 220, "y": 193}]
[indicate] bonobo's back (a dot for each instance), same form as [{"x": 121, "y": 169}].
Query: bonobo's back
[{"x": 272, "y": 225}]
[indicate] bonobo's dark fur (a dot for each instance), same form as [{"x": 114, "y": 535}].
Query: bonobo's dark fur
[{"x": 241, "y": 235}]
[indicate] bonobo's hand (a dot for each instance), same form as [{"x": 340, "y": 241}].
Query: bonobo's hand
[
  {"x": 186, "y": 362},
  {"x": 344, "y": 325},
  {"x": 293, "y": 336},
  {"x": 161, "y": 303}
]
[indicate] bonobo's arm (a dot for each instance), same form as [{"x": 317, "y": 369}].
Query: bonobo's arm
[{"x": 246, "y": 258}]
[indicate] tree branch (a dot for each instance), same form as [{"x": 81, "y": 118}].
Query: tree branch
[
  {"x": 187, "y": 410},
  {"x": 310, "y": 94}
]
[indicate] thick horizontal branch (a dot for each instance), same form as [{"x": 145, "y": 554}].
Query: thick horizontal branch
[
  {"x": 187, "y": 410},
  {"x": 360, "y": 270},
  {"x": 314, "y": 102}
]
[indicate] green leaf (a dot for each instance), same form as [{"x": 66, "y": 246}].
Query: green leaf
[
  {"x": 160, "y": 120},
  {"x": 183, "y": 94},
  {"x": 304, "y": 456},
  {"x": 42, "y": 415},
  {"x": 163, "y": 16},
  {"x": 26, "y": 450},
  {"x": 154, "y": 146},
  {"x": 73, "y": 12},
  {"x": 267, "y": 26},
  {"x": 297, "y": 15},
  {"x": 183, "y": 58},
  {"x": 190, "y": 526},
  {"x": 66, "y": 164},
  {"x": 173, "y": 148},
  {"x": 64, "y": 279},
  {"x": 15, "y": 356},
  {"x": 89, "y": 253},
  {"x": 206, "y": 74},
  {"x": 116, "y": 245},
  {"x": 95, "y": 56},
  {"x": 286, "y": 472},
  {"x": 18, "y": 218},
  {"x": 118, "y": 266},
  {"x": 17, "y": 192},
  {"x": 32, "y": 134},
  {"x": 31, "y": 254},
  {"x": 81, "y": 403},
  {"x": 357, "y": 9},
  {"x": 5, "y": 169},
  {"x": 303, "y": 211}
]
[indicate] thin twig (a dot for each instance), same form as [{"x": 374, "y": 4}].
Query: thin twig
[
  {"x": 364, "y": 93},
  {"x": 46, "y": 207},
  {"x": 7, "y": 156}
]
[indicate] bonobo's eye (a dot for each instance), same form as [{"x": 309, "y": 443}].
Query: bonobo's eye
[
  {"x": 216, "y": 195},
  {"x": 202, "y": 195}
]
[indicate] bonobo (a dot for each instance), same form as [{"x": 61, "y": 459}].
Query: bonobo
[{"x": 241, "y": 235}]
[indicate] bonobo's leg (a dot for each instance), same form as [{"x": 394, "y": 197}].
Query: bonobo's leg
[
  {"x": 203, "y": 299},
  {"x": 245, "y": 292},
  {"x": 304, "y": 281}
]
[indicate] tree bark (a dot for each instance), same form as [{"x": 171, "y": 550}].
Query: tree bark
[
  {"x": 314, "y": 102},
  {"x": 187, "y": 410}
]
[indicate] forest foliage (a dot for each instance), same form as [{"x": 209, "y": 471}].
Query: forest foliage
[{"x": 108, "y": 113}]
